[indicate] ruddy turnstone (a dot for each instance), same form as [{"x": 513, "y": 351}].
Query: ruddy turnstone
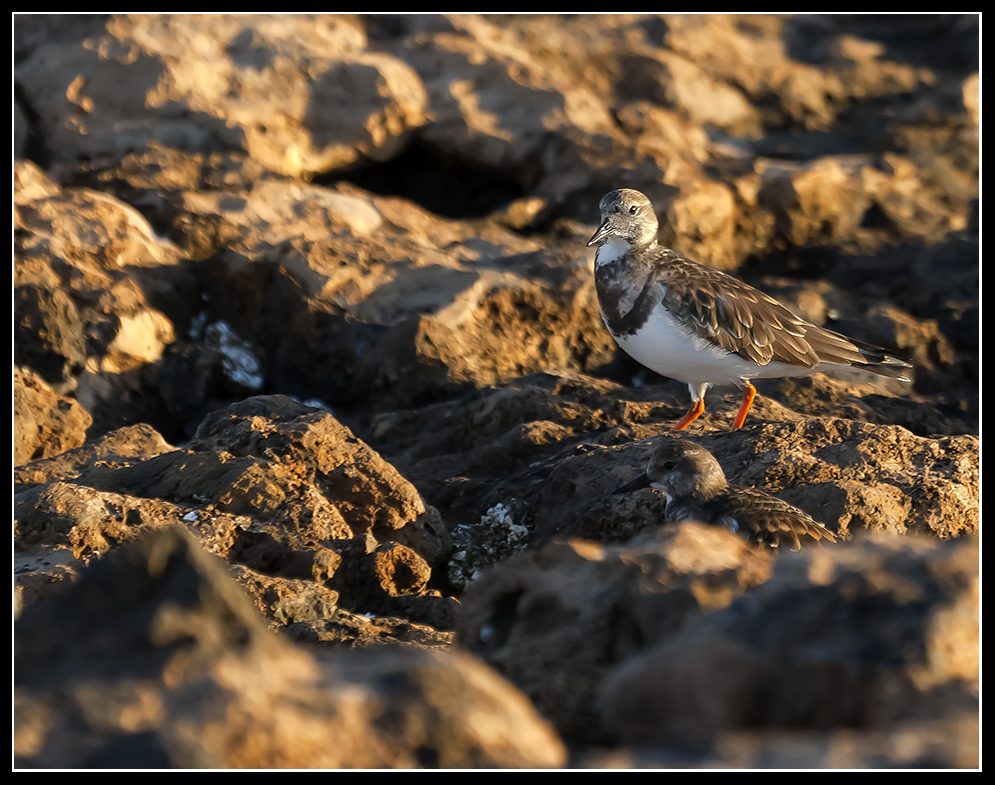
[
  {"x": 696, "y": 489},
  {"x": 699, "y": 325}
]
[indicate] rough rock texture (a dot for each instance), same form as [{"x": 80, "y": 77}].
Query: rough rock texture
[
  {"x": 514, "y": 125},
  {"x": 665, "y": 641},
  {"x": 849, "y": 475},
  {"x": 308, "y": 514},
  {"x": 340, "y": 262},
  {"x": 90, "y": 274},
  {"x": 45, "y": 424},
  {"x": 157, "y": 660},
  {"x": 556, "y": 620},
  {"x": 540, "y": 457},
  {"x": 148, "y": 74},
  {"x": 132, "y": 443},
  {"x": 864, "y": 635}
]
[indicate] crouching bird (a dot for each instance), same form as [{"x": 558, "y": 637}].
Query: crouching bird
[{"x": 696, "y": 489}]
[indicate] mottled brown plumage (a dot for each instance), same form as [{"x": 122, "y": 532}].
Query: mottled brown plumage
[
  {"x": 696, "y": 489},
  {"x": 699, "y": 325}
]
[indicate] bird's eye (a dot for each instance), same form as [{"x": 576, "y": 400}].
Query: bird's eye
[
  {"x": 669, "y": 465},
  {"x": 633, "y": 209}
]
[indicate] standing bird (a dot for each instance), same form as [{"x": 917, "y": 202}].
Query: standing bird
[
  {"x": 696, "y": 489},
  {"x": 699, "y": 325}
]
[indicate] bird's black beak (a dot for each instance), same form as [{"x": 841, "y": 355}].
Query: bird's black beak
[
  {"x": 601, "y": 234},
  {"x": 643, "y": 481}
]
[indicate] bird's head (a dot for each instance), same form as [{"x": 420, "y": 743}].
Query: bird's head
[{"x": 626, "y": 215}]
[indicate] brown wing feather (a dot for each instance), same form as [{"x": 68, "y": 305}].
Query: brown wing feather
[
  {"x": 737, "y": 317},
  {"x": 767, "y": 519},
  {"x": 747, "y": 322}
]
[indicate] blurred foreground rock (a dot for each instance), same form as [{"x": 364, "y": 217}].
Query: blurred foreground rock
[
  {"x": 663, "y": 644},
  {"x": 869, "y": 634},
  {"x": 155, "y": 659},
  {"x": 556, "y": 619}
]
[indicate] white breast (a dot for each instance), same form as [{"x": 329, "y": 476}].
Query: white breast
[
  {"x": 611, "y": 250},
  {"x": 662, "y": 345}
]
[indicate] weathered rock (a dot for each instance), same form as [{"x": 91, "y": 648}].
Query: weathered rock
[
  {"x": 401, "y": 318},
  {"x": 45, "y": 424},
  {"x": 669, "y": 79},
  {"x": 863, "y": 635},
  {"x": 354, "y": 490},
  {"x": 379, "y": 293},
  {"x": 557, "y": 619},
  {"x": 541, "y": 456},
  {"x": 849, "y": 475},
  {"x": 89, "y": 274},
  {"x": 60, "y": 526},
  {"x": 286, "y": 600},
  {"x": 48, "y": 335},
  {"x": 346, "y": 630},
  {"x": 86, "y": 228},
  {"x": 460, "y": 452},
  {"x": 313, "y": 83},
  {"x": 949, "y": 743},
  {"x": 133, "y": 443},
  {"x": 492, "y": 102},
  {"x": 31, "y": 183},
  {"x": 308, "y": 514},
  {"x": 157, "y": 659},
  {"x": 434, "y": 287}
]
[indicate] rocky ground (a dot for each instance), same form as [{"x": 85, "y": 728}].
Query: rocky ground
[{"x": 317, "y": 425}]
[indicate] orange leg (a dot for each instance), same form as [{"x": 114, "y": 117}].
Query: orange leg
[
  {"x": 749, "y": 393},
  {"x": 696, "y": 410}
]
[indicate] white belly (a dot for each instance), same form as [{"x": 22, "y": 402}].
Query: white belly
[{"x": 662, "y": 346}]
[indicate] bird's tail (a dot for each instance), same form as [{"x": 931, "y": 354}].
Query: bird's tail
[
  {"x": 879, "y": 361},
  {"x": 834, "y": 349}
]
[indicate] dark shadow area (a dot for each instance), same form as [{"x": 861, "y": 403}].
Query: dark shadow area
[
  {"x": 34, "y": 30},
  {"x": 35, "y": 148},
  {"x": 939, "y": 41},
  {"x": 435, "y": 182}
]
